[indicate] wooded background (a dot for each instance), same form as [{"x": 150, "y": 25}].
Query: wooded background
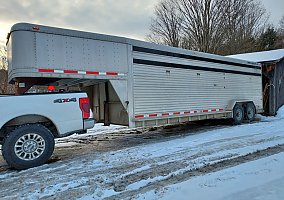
[
  {"x": 5, "y": 88},
  {"x": 222, "y": 27}
]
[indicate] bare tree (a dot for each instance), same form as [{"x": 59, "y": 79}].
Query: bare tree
[
  {"x": 3, "y": 58},
  {"x": 166, "y": 25},
  {"x": 214, "y": 26},
  {"x": 281, "y": 24},
  {"x": 5, "y": 87},
  {"x": 280, "y": 33},
  {"x": 3, "y": 81},
  {"x": 203, "y": 23},
  {"x": 245, "y": 20}
]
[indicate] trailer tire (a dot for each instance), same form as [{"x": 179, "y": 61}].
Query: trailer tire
[
  {"x": 28, "y": 146},
  {"x": 250, "y": 112},
  {"x": 238, "y": 114}
]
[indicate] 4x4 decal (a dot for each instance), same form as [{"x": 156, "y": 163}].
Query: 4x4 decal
[{"x": 65, "y": 100}]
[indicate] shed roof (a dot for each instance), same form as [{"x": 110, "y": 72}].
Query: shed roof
[{"x": 262, "y": 56}]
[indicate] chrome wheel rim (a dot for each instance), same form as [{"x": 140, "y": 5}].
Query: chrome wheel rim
[{"x": 29, "y": 147}]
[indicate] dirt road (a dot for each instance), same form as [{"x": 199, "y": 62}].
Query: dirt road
[
  {"x": 126, "y": 164},
  {"x": 71, "y": 147}
]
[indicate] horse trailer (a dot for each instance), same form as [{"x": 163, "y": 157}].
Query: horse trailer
[{"x": 131, "y": 82}]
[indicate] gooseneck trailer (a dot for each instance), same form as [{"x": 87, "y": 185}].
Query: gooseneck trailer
[{"x": 132, "y": 82}]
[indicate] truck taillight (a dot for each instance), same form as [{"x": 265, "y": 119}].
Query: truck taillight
[{"x": 85, "y": 107}]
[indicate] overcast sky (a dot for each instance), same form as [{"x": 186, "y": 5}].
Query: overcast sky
[{"x": 130, "y": 18}]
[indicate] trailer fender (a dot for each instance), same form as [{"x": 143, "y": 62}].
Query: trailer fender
[{"x": 232, "y": 103}]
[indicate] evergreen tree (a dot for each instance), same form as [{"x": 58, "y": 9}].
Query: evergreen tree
[{"x": 268, "y": 39}]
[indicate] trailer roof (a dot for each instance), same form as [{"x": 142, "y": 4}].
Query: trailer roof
[
  {"x": 262, "y": 56},
  {"x": 150, "y": 46}
]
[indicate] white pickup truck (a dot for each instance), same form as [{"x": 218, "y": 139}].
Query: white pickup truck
[{"x": 29, "y": 124}]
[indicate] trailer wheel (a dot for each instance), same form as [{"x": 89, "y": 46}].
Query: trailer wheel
[
  {"x": 250, "y": 112},
  {"x": 28, "y": 146},
  {"x": 238, "y": 114}
]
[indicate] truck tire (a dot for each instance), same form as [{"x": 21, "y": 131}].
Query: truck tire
[
  {"x": 28, "y": 146},
  {"x": 250, "y": 112},
  {"x": 238, "y": 114}
]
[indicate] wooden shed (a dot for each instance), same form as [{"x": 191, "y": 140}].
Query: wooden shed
[{"x": 272, "y": 77}]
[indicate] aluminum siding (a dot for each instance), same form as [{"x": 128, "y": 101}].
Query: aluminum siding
[
  {"x": 33, "y": 51},
  {"x": 160, "y": 89},
  {"x": 64, "y": 52}
]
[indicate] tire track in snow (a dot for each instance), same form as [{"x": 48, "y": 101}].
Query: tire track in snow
[
  {"x": 96, "y": 173},
  {"x": 227, "y": 163}
]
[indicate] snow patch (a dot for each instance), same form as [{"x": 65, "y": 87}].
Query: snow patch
[
  {"x": 141, "y": 183},
  {"x": 266, "y": 118},
  {"x": 261, "y": 179},
  {"x": 280, "y": 113},
  {"x": 65, "y": 144}
]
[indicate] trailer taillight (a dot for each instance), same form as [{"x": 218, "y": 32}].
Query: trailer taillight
[
  {"x": 51, "y": 88},
  {"x": 85, "y": 107},
  {"x": 35, "y": 28}
]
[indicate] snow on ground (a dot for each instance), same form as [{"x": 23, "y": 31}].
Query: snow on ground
[
  {"x": 99, "y": 128},
  {"x": 262, "y": 179},
  {"x": 280, "y": 113},
  {"x": 156, "y": 170}
]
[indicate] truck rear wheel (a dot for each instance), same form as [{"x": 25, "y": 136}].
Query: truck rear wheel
[
  {"x": 28, "y": 146},
  {"x": 238, "y": 114}
]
